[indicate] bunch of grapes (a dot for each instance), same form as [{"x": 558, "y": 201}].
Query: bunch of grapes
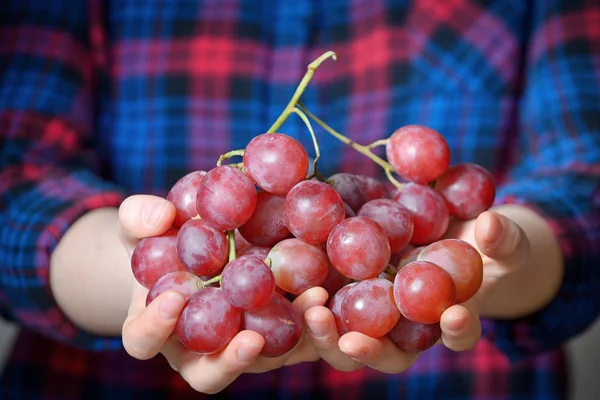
[{"x": 250, "y": 237}]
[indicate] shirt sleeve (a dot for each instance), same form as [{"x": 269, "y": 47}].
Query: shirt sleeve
[
  {"x": 557, "y": 172},
  {"x": 49, "y": 158}
]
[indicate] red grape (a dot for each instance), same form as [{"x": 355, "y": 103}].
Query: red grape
[
  {"x": 208, "y": 322},
  {"x": 278, "y": 322},
  {"x": 413, "y": 337},
  {"x": 154, "y": 257},
  {"x": 468, "y": 189},
  {"x": 183, "y": 282},
  {"x": 429, "y": 212},
  {"x": 408, "y": 256},
  {"x": 423, "y": 291},
  {"x": 275, "y": 162},
  {"x": 260, "y": 252},
  {"x": 312, "y": 209},
  {"x": 418, "y": 153},
  {"x": 334, "y": 281},
  {"x": 394, "y": 218},
  {"x": 201, "y": 248},
  {"x": 266, "y": 226},
  {"x": 356, "y": 190},
  {"x": 335, "y": 305},
  {"x": 297, "y": 265},
  {"x": 359, "y": 248},
  {"x": 369, "y": 308},
  {"x": 183, "y": 196},
  {"x": 462, "y": 261},
  {"x": 226, "y": 198},
  {"x": 247, "y": 282},
  {"x": 241, "y": 243}
]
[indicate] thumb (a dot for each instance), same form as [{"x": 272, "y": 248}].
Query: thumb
[
  {"x": 502, "y": 240},
  {"x": 143, "y": 216}
]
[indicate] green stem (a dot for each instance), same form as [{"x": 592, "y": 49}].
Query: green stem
[
  {"x": 203, "y": 284},
  {"x": 377, "y": 143},
  {"x": 314, "y": 138},
  {"x": 365, "y": 150},
  {"x": 230, "y": 154},
  {"x": 312, "y": 67},
  {"x": 231, "y": 240}
]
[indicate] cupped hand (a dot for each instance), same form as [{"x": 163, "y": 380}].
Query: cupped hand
[
  {"x": 504, "y": 248},
  {"x": 149, "y": 331}
]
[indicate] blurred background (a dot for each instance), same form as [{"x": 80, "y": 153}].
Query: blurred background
[{"x": 584, "y": 359}]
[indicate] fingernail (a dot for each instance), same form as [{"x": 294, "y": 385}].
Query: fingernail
[
  {"x": 248, "y": 352},
  {"x": 170, "y": 307},
  {"x": 153, "y": 213},
  {"x": 494, "y": 229},
  {"x": 317, "y": 327},
  {"x": 456, "y": 324},
  {"x": 355, "y": 354}
]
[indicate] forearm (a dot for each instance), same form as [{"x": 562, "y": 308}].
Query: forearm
[
  {"x": 90, "y": 275},
  {"x": 535, "y": 284}
]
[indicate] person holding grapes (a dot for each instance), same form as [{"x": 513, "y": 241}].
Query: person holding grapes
[{"x": 105, "y": 105}]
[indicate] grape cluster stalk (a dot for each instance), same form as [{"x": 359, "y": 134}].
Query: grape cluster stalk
[{"x": 249, "y": 237}]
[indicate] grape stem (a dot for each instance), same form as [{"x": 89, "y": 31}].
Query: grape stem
[
  {"x": 312, "y": 67},
  {"x": 231, "y": 240},
  {"x": 365, "y": 150},
  {"x": 230, "y": 154},
  {"x": 377, "y": 143},
  {"x": 203, "y": 284},
  {"x": 314, "y": 139}
]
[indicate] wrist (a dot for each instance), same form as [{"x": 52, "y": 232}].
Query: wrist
[{"x": 90, "y": 275}]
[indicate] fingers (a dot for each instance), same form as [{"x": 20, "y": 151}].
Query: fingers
[
  {"x": 379, "y": 354},
  {"x": 143, "y": 216},
  {"x": 324, "y": 337},
  {"x": 147, "y": 329},
  {"x": 212, "y": 373},
  {"x": 461, "y": 328},
  {"x": 501, "y": 239}
]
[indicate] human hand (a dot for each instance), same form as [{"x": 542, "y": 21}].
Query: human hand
[
  {"x": 148, "y": 331},
  {"x": 504, "y": 248}
]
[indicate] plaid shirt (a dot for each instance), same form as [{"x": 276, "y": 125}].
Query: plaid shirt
[{"x": 102, "y": 99}]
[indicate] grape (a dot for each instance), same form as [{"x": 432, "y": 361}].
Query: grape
[
  {"x": 335, "y": 305},
  {"x": 394, "y": 218},
  {"x": 247, "y": 282},
  {"x": 468, "y": 189},
  {"x": 154, "y": 257},
  {"x": 413, "y": 337},
  {"x": 423, "y": 291},
  {"x": 411, "y": 254},
  {"x": 298, "y": 266},
  {"x": 429, "y": 212},
  {"x": 356, "y": 190},
  {"x": 208, "y": 322},
  {"x": 260, "y": 252},
  {"x": 226, "y": 198},
  {"x": 201, "y": 248},
  {"x": 334, "y": 281},
  {"x": 241, "y": 244},
  {"x": 369, "y": 308},
  {"x": 275, "y": 162},
  {"x": 183, "y": 197},
  {"x": 183, "y": 282},
  {"x": 312, "y": 209},
  {"x": 358, "y": 248},
  {"x": 266, "y": 226},
  {"x": 418, "y": 153},
  {"x": 461, "y": 260},
  {"x": 279, "y": 323},
  {"x": 348, "y": 211}
]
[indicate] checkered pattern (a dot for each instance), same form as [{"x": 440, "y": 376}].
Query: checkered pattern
[{"x": 99, "y": 99}]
